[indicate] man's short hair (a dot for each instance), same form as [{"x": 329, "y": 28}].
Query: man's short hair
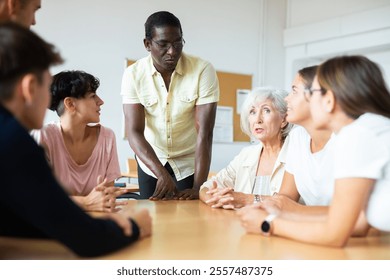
[
  {"x": 22, "y": 52},
  {"x": 160, "y": 19}
]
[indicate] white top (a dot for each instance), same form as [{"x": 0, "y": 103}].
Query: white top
[
  {"x": 261, "y": 185},
  {"x": 362, "y": 150},
  {"x": 312, "y": 171},
  {"x": 240, "y": 174}
]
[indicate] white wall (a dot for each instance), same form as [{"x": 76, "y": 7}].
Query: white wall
[
  {"x": 303, "y": 12},
  {"x": 342, "y": 27},
  {"x": 97, "y": 35}
]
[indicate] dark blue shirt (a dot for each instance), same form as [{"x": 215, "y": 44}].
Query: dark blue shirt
[{"x": 33, "y": 204}]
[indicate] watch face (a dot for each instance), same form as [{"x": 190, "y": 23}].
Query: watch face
[{"x": 265, "y": 227}]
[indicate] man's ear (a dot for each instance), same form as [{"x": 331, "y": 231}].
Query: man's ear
[
  {"x": 147, "y": 44},
  {"x": 13, "y": 6},
  {"x": 28, "y": 85}
]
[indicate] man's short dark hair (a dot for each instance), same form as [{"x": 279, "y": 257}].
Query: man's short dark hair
[
  {"x": 22, "y": 52},
  {"x": 160, "y": 19}
]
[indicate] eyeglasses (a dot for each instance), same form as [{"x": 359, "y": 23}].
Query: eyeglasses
[
  {"x": 309, "y": 92},
  {"x": 166, "y": 46}
]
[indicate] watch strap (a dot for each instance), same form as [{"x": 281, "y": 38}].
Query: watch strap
[{"x": 270, "y": 218}]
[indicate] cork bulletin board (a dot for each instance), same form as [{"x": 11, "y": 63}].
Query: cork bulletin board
[{"x": 228, "y": 85}]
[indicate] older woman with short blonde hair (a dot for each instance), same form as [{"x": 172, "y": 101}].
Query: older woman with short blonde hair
[{"x": 258, "y": 169}]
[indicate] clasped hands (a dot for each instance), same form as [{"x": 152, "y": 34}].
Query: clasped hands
[
  {"x": 225, "y": 198},
  {"x": 103, "y": 197},
  {"x": 251, "y": 215}
]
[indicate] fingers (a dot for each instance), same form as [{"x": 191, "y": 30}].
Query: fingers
[
  {"x": 101, "y": 184},
  {"x": 244, "y": 210},
  {"x": 228, "y": 206},
  {"x": 212, "y": 191},
  {"x": 120, "y": 203},
  {"x": 146, "y": 228},
  {"x": 212, "y": 200},
  {"x": 188, "y": 194},
  {"x": 165, "y": 187},
  {"x": 99, "y": 180},
  {"x": 115, "y": 191},
  {"x": 110, "y": 204},
  {"x": 220, "y": 197},
  {"x": 220, "y": 192},
  {"x": 164, "y": 191},
  {"x": 159, "y": 193},
  {"x": 227, "y": 200},
  {"x": 114, "y": 208},
  {"x": 170, "y": 196},
  {"x": 160, "y": 196},
  {"x": 111, "y": 191},
  {"x": 251, "y": 219},
  {"x": 258, "y": 205},
  {"x": 100, "y": 188},
  {"x": 144, "y": 222}
]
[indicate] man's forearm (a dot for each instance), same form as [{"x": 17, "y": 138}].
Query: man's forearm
[
  {"x": 146, "y": 154},
  {"x": 202, "y": 163}
]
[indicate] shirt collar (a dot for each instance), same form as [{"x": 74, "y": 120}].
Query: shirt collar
[
  {"x": 179, "y": 67},
  {"x": 252, "y": 161},
  {"x": 151, "y": 69}
]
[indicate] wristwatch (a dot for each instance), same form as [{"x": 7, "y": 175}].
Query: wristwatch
[{"x": 266, "y": 225}]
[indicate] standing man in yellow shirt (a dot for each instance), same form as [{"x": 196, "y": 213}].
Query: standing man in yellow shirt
[{"x": 170, "y": 101}]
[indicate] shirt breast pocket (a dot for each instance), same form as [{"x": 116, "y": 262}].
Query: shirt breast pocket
[
  {"x": 150, "y": 104},
  {"x": 187, "y": 102}
]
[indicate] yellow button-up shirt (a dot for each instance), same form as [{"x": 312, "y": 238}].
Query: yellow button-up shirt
[{"x": 170, "y": 115}]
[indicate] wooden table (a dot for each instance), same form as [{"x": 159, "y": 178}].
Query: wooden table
[{"x": 191, "y": 230}]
